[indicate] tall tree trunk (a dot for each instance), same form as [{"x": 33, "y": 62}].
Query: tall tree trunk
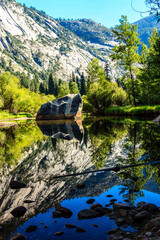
[{"x": 133, "y": 87}]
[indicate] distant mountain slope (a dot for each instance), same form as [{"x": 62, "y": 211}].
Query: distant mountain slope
[
  {"x": 145, "y": 27},
  {"x": 33, "y": 42},
  {"x": 88, "y": 30}
]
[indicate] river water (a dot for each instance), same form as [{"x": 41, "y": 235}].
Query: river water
[{"x": 51, "y": 158}]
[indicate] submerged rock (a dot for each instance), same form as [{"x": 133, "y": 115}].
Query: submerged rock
[
  {"x": 59, "y": 233},
  {"x": 68, "y": 225},
  {"x": 19, "y": 211},
  {"x": 31, "y": 228},
  {"x": 149, "y": 207},
  {"x": 28, "y": 201},
  {"x": 95, "y": 205},
  {"x": 95, "y": 225},
  {"x": 17, "y": 185},
  {"x": 18, "y": 236},
  {"x": 80, "y": 185},
  {"x": 56, "y": 214},
  {"x": 80, "y": 230},
  {"x": 62, "y": 212},
  {"x": 109, "y": 195},
  {"x": 121, "y": 205},
  {"x": 102, "y": 210},
  {"x": 68, "y": 107},
  {"x": 87, "y": 214},
  {"x": 90, "y": 201},
  {"x": 155, "y": 222},
  {"x": 142, "y": 216}
]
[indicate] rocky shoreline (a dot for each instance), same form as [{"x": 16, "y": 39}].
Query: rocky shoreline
[{"x": 144, "y": 218}]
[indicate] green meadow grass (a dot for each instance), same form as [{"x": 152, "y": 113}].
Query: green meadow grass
[
  {"x": 133, "y": 111},
  {"x": 7, "y": 115}
]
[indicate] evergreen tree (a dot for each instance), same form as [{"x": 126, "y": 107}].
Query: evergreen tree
[
  {"x": 154, "y": 7},
  {"x": 150, "y": 71},
  {"x": 24, "y": 81},
  {"x": 3, "y": 63},
  {"x": 63, "y": 89},
  {"x": 41, "y": 88},
  {"x": 95, "y": 72},
  {"x": 73, "y": 88},
  {"x": 83, "y": 85},
  {"x": 106, "y": 69},
  {"x": 50, "y": 84},
  {"x": 126, "y": 53},
  {"x": 55, "y": 93},
  {"x": 154, "y": 53},
  {"x": 73, "y": 77}
]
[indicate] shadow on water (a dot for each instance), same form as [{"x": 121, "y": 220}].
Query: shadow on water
[{"x": 36, "y": 153}]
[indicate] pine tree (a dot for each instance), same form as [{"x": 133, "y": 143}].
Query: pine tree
[
  {"x": 95, "y": 72},
  {"x": 106, "y": 69},
  {"x": 73, "y": 88},
  {"x": 150, "y": 71},
  {"x": 83, "y": 85},
  {"x": 41, "y": 88},
  {"x": 63, "y": 89},
  {"x": 73, "y": 77},
  {"x": 50, "y": 84},
  {"x": 126, "y": 53}
]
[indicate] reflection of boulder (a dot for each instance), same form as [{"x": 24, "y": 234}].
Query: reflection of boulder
[
  {"x": 61, "y": 129},
  {"x": 68, "y": 107}
]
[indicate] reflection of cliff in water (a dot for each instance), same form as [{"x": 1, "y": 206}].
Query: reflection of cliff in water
[
  {"x": 102, "y": 144},
  {"x": 39, "y": 166}
]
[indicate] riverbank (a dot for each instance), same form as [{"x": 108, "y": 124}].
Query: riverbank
[
  {"x": 133, "y": 111},
  {"x": 6, "y": 115}
]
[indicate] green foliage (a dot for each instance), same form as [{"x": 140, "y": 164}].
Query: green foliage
[
  {"x": 103, "y": 134},
  {"x": 119, "y": 96},
  {"x": 149, "y": 75},
  {"x": 101, "y": 92},
  {"x": 14, "y": 141},
  {"x": 82, "y": 85},
  {"x": 126, "y": 53},
  {"x": 63, "y": 89},
  {"x": 134, "y": 111},
  {"x": 7, "y": 115},
  {"x": 73, "y": 88},
  {"x": 95, "y": 72},
  {"x": 19, "y": 99},
  {"x": 87, "y": 29}
]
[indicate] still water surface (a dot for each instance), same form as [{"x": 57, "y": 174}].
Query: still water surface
[{"x": 36, "y": 154}]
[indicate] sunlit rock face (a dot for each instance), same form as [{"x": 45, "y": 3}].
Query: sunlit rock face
[{"x": 68, "y": 107}]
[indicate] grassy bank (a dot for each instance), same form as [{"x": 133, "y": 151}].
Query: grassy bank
[
  {"x": 133, "y": 111},
  {"x": 8, "y": 115}
]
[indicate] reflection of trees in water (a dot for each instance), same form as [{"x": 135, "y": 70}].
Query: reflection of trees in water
[
  {"x": 142, "y": 145},
  {"x": 15, "y": 140},
  {"x": 103, "y": 134},
  {"x": 142, "y": 142}
]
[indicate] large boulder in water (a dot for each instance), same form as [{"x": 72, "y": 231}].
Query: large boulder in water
[{"x": 68, "y": 107}]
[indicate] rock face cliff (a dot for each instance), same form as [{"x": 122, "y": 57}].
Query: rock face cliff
[{"x": 32, "y": 41}]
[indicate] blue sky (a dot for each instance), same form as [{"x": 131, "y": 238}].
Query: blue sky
[{"x": 106, "y": 12}]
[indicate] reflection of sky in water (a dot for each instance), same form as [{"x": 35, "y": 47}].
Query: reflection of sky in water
[
  {"x": 77, "y": 204},
  {"x": 102, "y": 147}
]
